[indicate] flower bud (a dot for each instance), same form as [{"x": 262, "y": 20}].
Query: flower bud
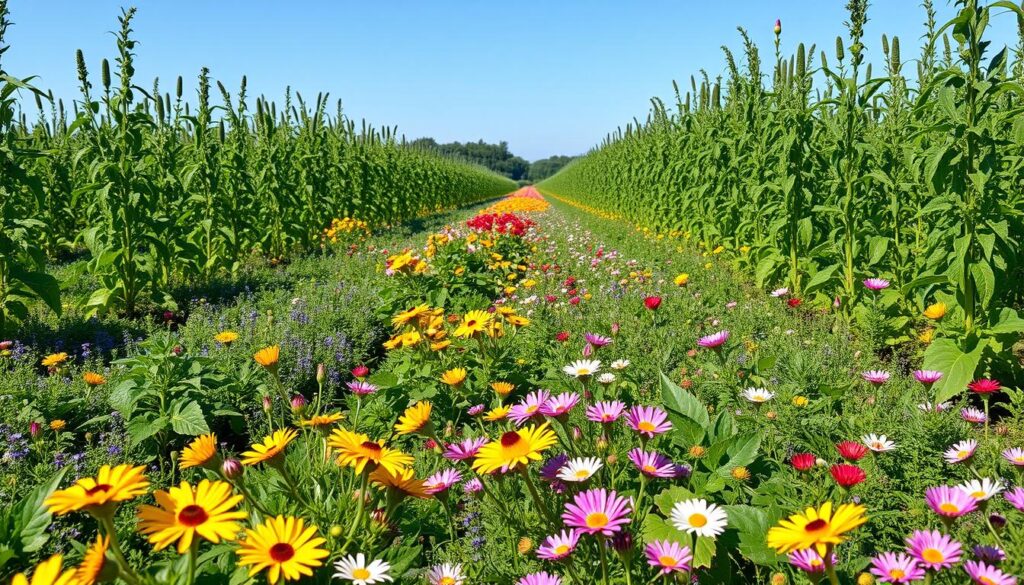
[
  {"x": 615, "y": 329},
  {"x": 577, "y": 434},
  {"x": 588, "y": 350},
  {"x": 321, "y": 374},
  {"x": 998, "y": 521},
  {"x": 652, "y": 302},
  {"x": 335, "y": 531},
  {"x": 602, "y": 444},
  {"x": 34, "y": 429},
  {"x": 231, "y": 468},
  {"x": 779, "y": 578},
  {"x": 778, "y": 31},
  {"x": 299, "y": 403},
  {"x": 266, "y": 404}
]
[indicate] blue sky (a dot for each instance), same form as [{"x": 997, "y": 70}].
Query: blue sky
[{"x": 548, "y": 76}]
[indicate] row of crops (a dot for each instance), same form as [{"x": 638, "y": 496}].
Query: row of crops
[
  {"x": 827, "y": 171},
  {"x": 161, "y": 187}
]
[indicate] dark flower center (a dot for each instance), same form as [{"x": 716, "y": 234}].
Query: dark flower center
[
  {"x": 282, "y": 552},
  {"x": 510, "y": 438},
  {"x": 815, "y": 525},
  {"x": 371, "y": 446},
  {"x": 102, "y": 487},
  {"x": 192, "y": 515}
]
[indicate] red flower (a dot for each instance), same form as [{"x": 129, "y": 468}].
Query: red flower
[
  {"x": 562, "y": 336},
  {"x": 802, "y": 461},
  {"x": 852, "y": 451},
  {"x": 652, "y": 302},
  {"x": 569, "y": 281},
  {"x": 550, "y": 298},
  {"x": 985, "y": 386},
  {"x": 572, "y": 292},
  {"x": 574, "y": 301},
  {"x": 430, "y": 444},
  {"x": 847, "y": 475},
  {"x": 793, "y": 302},
  {"x": 360, "y": 371}
]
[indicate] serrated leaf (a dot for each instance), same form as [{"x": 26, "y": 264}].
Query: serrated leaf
[
  {"x": 958, "y": 367},
  {"x": 188, "y": 420}
]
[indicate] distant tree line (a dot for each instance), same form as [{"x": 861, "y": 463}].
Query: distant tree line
[{"x": 497, "y": 158}]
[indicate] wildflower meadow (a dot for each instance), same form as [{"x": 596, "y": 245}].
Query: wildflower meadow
[{"x": 768, "y": 335}]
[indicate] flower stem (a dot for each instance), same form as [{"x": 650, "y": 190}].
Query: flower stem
[
  {"x": 123, "y": 568},
  {"x": 604, "y": 560},
  {"x": 536, "y": 497}
]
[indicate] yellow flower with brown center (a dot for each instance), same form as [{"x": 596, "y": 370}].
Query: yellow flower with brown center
[
  {"x": 935, "y": 311},
  {"x": 94, "y": 567},
  {"x": 271, "y": 449},
  {"x": 517, "y": 320},
  {"x": 49, "y": 572},
  {"x": 226, "y": 338},
  {"x": 411, "y": 338},
  {"x": 414, "y": 419},
  {"x": 405, "y": 317},
  {"x": 201, "y": 452},
  {"x": 97, "y": 495},
  {"x": 819, "y": 528},
  {"x": 55, "y": 360},
  {"x": 393, "y": 343},
  {"x": 57, "y": 425},
  {"x": 322, "y": 421},
  {"x": 94, "y": 379},
  {"x": 497, "y": 413},
  {"x": 358, "y": 451},
  {"x": 268, "y": 357},
  {"x": 514, "y": 448},
  {"x": 185, "y": 512},
  {"x": 454, "y": 376},
  {"x": 502, "y": 388},
  {"x": 284, "y": 547},
  {"x": 400, "y": 483},
  {"x": 473, "y": 322}
]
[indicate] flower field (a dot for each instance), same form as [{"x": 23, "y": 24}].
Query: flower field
[{"x": 340, "y": 359}]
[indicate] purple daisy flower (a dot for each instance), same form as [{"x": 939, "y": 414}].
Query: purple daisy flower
[
  {"x": 467, "y": 449},
  {"x": 560, "y": 405},
  {"x": 648, "y": 420}
]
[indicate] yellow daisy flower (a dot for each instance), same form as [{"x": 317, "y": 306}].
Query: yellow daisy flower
[
  {"x": 55, "y": 359},
  {"x": 94, "y": 379},
  {"x": 502, "y": 388},
  {"x": 284, "y": 547},
  {"x": 322, "y": 420},
  {"x": 454, "y": 377},
  {"x": 91, "y": 570},
  {"x": 407, "y": 316},
  {"x": 514, "y": 448},
  {"x": 402, "y": 483},
  {"x": 358, "y": 451},
  {"x": 97, "y": 495},
  {"x": 226, "y": 337},
  {"x": 201, "y": 452},
  {"x": 497, "y": 413},
  {"x": 48, "y": 572},
  {"x": 268, "y": 357},
  {"x": 816, "y": 528},
  {"x": 271, "y": 447},
  {"x": 473, "y": 323},
  {"x": 414, "y": 419},
  {"x": 206, "y": 510},
  {"x": 935, "y": 311}
]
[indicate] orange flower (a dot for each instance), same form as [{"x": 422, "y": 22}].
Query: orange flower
[
  {"x": 268, "y": 356},
  {"x": 94, "y": 379}
]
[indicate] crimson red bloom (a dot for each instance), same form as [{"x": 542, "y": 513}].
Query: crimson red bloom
[
  {"x": 574, "y": 301},
  {"x": 562, "y": 336},
  {"x": 802, "y": 461},
  {"x": 985, "y": 386},
  {"x": 360, "y": 371},
  {"x": 847, "y": 475},
  {"x": 852, "y": 451},
  {"x": 793, "y": 302},
  {"x": 652, "y": 302},
  {"x": 503, "y": 223}
]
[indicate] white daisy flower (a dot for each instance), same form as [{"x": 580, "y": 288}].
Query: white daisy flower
[
  {"x": 582, "y": 368},
  {"x": 446, "y": 574},
  {"x": 758, "y": 395},
  {"x": 878, "y": 443},
  {"x": 620, "y": 364},
  {"x": 699, "y": 517},
  {"x": 606, "y": 378},
  {"x": 355, "y": 569},
  {"x": 780, "y": 292},
  {"x": 579, "y": 469},
  {"x": 982, "y": 489}
]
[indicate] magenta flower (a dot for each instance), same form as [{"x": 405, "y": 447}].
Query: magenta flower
[
  {"x": 973, "y": 415},
  {"x": 934, "y": 549},
  {"x": 961, "y": 451},
  {"x": 596, "y": 340},
  {"x": 927, "y": 377},
  {"x": 558, "y": 546},
  {"x": 605, "y": 412},
  {"x": 983, "y": 574},
  {"x": 528, "y": 407},
  {"x": 560, "y": 405},
  {"x": 1015, "y": 455},
  {"x": 876, "y": 377},
  {"x": 467, "y": 449},
  {"x": 654, "y": 464},
  {"x": 1015, "y": 497},
  {"x": 361, "y": 388},
  {"x": 809, "y": 561},
  {"x": 668, "y": 556},
  {"x": 951, "y": 502},
  {"x": 876, "y": 283},
  {"x": 714, "y": 341},
  {"x": 896, "y": 568},
  {"x": 475, "y": 409},
  {"x": 597, "y": 511},
  {"x": 648, "y": 420},
  {"x": 442, "y": 480},
  {"x": 541, "y": 578},
  {"x": 473, "y": 486}
]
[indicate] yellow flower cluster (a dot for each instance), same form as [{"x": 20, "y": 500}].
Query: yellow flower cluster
[
  {"x": 407, "y": 263},
  {"x": 419, "y": 324},
  {"x": 518, "y": 205},
  {"x": 347, "y": 225}
]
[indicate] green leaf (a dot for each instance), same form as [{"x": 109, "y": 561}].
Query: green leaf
[
  {"x": 820, "y": 279},
  {"x": 34, "y": 517},
  {"x": 669, "y": 497},
  {"x": 1007, "y": 322},
  {"x": 142, "y": 428},
  {"x": 703, "y": 552},
  {"x": 43, "y": 285},
  {"x": 742, "y": 451},
  {"x": 689, "y": 417},
  {"x": 189, "y": 420},
  {"x": 957, "y": 367}
]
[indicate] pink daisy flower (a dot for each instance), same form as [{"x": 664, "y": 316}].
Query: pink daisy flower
[
  {"x": 1015, "y": 455},
  {"x": 934, "y": 549},
  {"x": 973, "y": 415},
  {"x": 597, "y": 511},
  {"x": 876, "y": 377},
  {"x": 714, "y": 341},
  {"x": 467, "y": 449},
  {"x": 541, "y": 578},
  {"x": 654, "y": 464},
  {"x": 1015, "y": 497},
  {"x": 473, "y": 486},
  {"x": 983, "y": 574},
  {"x": 809, "y": 561},
  {"x": 896, "y": 568},
  {"x": 668, "y": 556},
  {"x": 876, "y": 283},
  {"x": 361, "y": 388},
  {"x": 648, "y": 420},
  {"x": 927, "y": 377},
  {"x": 597, "y": 340},
  {"x": 605, "y": 412},
  {"x": 475, "y": 410},
  {"x": 528, "y": 407},
  {"x": 961, "y": 451},
  {"x": 560, "y": 405},
  {"x": 951, "y": 502},
  {"x": 442, "y": 480},
  {"x": 558, "y": 546}
]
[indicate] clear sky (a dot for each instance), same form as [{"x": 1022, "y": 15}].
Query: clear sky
[{"x": 548, "y": 76}]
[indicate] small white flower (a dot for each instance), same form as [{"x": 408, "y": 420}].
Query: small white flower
[
  {"x": 758, "y": 395},
  {"x": 982, "y": 489},
  {"x": 579, "y": 469},
  {"x": 606, "y": 378},
  {"x": 446, "y": 574},
  {"x": 355, "y": 569},
  {"x": 582, "y": 368},
  {"x": 878, "y": 443},
  {"x": 620, "y": 364},
  {"x": 698, "y": 517},
  {"x": 780, "y": 292}
]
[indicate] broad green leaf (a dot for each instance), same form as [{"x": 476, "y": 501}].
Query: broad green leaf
[
  {"x": 189, "y": 420},
  {"x": 34, "y": 517},
  {"x": 958, "y": 367}
]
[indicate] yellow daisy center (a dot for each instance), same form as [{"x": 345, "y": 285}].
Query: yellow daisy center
[
  {"x": 597, "y": 520},
  {"x": 648, "y": 468},
  {"x": 962, "y": 454},
  {"x": 897, "y": 573},
  {"x": 583, "y": 473},
  {"x": 360, "y": 573},
  {"x": 532, "y": 408},
  {"x": 582, "y": 371},
  {"x": 986, "y": 580},
  {"x": 816, "y": 563},
  {"x": 978, "y": 494},
  {"x": 446, "y": 581},
  {"x": 697, "y": 520},
  {"x": 931, "y": 555}
]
